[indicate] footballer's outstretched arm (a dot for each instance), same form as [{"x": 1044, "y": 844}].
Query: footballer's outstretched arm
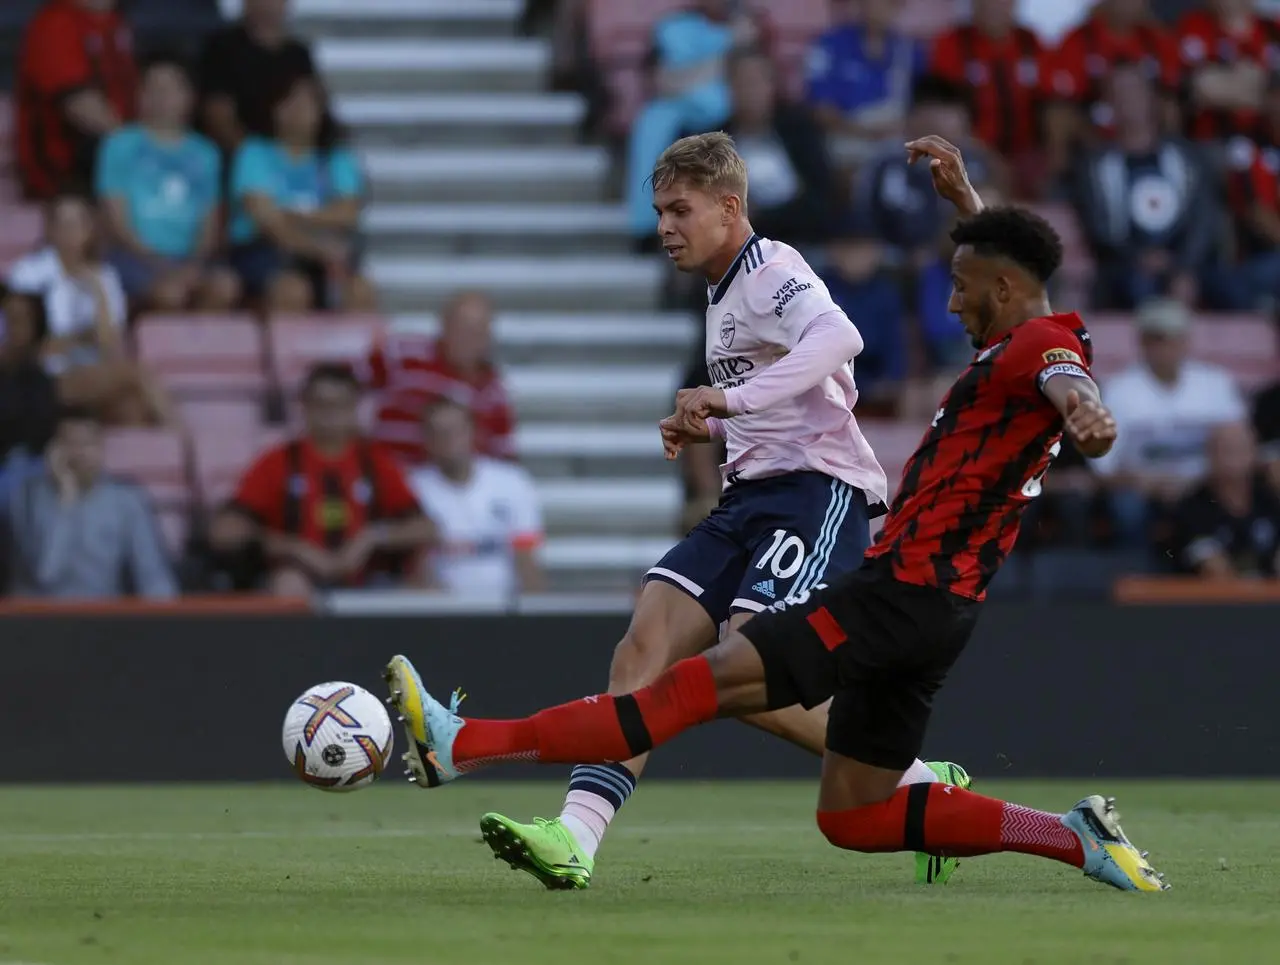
[{"x": 1086, "y": 420}]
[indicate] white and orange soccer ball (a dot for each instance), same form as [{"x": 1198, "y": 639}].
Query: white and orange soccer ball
[{"x": 338, "y": 737}]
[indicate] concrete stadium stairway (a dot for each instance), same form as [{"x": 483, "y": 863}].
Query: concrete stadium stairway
[{"x": 478, "y": 180}]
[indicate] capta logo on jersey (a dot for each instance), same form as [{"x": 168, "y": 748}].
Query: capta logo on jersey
[
  {"x": 1061, "y": 355},
  {"x": 782, "y": 297}
]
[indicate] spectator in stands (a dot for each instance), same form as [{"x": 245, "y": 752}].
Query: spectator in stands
[
  {"x": 1253, "y": 163},
  {"x": 329, "y": 509},
  {"x": 1227, "y": 52},
  {"x": 899, "y": 197},
  {"x": 411, "y": 371},
  {"x": 487, "y": 512},
  {"x": 1010, "y": 73},
  {"x": 159, "y": 183},
  {"x": 860, "y": 284},
  {"x": 690, "y": 90},
  {"x": 791, "y": 183},
  {"x": 240, "y": 64},
  {"x": 76, "y": 84},
  {"x": 28, "y": 397},
  {"x": 860, "y": 74},
  {"x": 296, "y": 202},
  {"x": 1146, "y": 204},
  {"x": 1168, "y": 404},
  {"x": 75, "y": 533},
  {"x": 85, "y": 310},
  {"x": 1229, "y": 526},
  {"x": 1117, "y": 33}
]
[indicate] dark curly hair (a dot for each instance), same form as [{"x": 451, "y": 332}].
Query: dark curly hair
[{"x": 1017, "y": 234}]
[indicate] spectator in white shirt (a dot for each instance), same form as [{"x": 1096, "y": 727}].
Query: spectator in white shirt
[
  {"x": 486, "y": 511},
  {"x": 85, "y": 310},
  {"x": 1166, "y": 406}
]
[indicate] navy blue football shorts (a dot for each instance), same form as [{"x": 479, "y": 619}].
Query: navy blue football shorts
[{"x": 770, "y": 539}]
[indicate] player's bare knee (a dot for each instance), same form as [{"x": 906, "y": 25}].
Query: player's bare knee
[{"x": 640, "y": 656}]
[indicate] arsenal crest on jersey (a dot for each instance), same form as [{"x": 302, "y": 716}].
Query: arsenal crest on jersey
[{"x": 728, "y": 327}]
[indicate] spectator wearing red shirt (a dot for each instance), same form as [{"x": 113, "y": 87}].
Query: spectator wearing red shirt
[
  {"x": 1119, "y": 33},
  {"x": 412, "y": 371},
  {"x": 1009, "y": 72},
  {"x": 1228, "y": 52},
  {"x": 329, "y": 509},
  {"x": 77, "y": 81}
]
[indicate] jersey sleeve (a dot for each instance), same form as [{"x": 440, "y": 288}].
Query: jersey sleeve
[
  {"x": 1068, "y": 77},
  {"x": 111, "y": 174},
  {"x": 260, "y": 493},
  {"x": 394, "y": 495},
  {"x": 251, "y": 171},
  {"x": 947, "y": 60},
  {"x": 526, "y": 511},
  {"x": 344, "y": 170},
  {"x": 56, "y": 61},
  {"x": 1039, "y": 351},
  {"x": 783, "y": 299},
  {"x": 821, "y": 84}
]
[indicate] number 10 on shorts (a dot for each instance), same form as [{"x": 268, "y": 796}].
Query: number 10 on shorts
[{"x": 785, "y": 555}]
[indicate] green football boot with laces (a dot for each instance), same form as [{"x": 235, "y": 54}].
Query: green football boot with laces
[
  {"x": 930, "y": 869},
  {"x": 545, "y": 849}
]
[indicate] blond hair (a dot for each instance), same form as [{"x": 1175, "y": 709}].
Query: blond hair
[{"x": 709, "y": 162}]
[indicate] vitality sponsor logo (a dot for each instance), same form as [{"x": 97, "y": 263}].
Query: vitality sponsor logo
[
  {"x": 765, "y": 588},
  {"x": 782, "y": 297}
]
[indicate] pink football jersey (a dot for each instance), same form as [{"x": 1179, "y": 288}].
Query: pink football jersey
[{"x": 756, "y": 315}]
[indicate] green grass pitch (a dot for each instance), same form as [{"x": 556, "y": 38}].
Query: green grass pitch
[{"x": 694, "y": 873}]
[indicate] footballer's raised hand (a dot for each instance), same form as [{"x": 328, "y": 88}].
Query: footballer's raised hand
[{"x": 946, "y": 164}]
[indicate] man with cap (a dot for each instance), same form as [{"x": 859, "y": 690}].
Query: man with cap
[{"x": 1168, "y": 404}]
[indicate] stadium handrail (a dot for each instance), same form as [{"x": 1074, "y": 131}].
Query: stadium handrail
[
  {"x": 196, "y": 605},
  {"x": 1167, "y": 590}
]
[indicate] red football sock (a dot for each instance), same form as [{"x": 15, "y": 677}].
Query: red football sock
[
  {"x": 945, "y": 820},
  {"x": 599, "y": 729}
]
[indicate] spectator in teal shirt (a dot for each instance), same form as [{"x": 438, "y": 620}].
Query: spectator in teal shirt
[
  {"x": 296, "y": 201},
  {"x": 159, "y": 183}
]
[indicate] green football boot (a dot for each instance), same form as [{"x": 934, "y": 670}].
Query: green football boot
[
  {"x": 545, "y": 849},
  {"x": 930, "y": 869}
]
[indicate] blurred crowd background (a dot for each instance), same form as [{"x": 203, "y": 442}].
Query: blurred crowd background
[{"x": 326, "y": 294}]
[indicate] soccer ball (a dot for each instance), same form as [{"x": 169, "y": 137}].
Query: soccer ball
[{"x": 337, "y": 737}]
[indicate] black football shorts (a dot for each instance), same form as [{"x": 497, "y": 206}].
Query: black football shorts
[{"x": 880, "y": 648}]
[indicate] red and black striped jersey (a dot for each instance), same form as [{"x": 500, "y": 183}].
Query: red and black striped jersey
[
  {"x": 1010, "y": 79},
  {"x": 959, "y": 504},
  {"x": 1202, "y": 40},
  {"x": 1090, "y": 51}
]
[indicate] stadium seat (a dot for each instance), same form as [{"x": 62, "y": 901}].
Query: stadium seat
[
  {"x": 1245, "y": 345},
  {"x": 926, "y": 18},
  {"x": 220, "y": 460},
  {"x": 153, "y": 458},
  {"x": 298, "y": 342},
  {"x": 23, "y": 228},
  {"x": 1076, "y": 274},
  {"x": 232, "y": 417},
  {"x": 204, "y": 355},
  {"x": 893, "y": 442}
]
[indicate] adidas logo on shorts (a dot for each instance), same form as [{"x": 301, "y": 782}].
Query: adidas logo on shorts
[{"x": 765, "y": 588}]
